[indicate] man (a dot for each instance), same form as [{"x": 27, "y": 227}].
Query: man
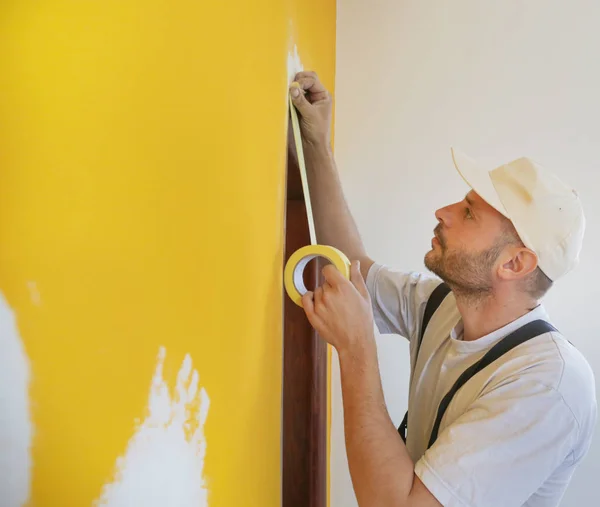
[{"x": 513, "y": 434}]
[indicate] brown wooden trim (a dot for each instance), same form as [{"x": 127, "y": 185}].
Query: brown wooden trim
[{"x": 304, "y": 453}]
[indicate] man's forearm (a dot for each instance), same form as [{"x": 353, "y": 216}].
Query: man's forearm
[
  {"x": 333, "y": 220},
  {"x": 381, "y": 469}
]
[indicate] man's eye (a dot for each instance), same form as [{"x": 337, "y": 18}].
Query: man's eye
[{"x": 468, "y": 213}]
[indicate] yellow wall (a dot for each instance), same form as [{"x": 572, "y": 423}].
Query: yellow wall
[{"x": 142, "y": 184}]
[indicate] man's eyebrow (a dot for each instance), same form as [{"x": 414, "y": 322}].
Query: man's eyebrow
[{"x": 469, "y": 201}]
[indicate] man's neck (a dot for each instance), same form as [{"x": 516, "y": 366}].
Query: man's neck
[{"x": 484, "y": 315}]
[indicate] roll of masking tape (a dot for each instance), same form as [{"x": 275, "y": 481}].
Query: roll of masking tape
[{"x": 294, "y": 269}]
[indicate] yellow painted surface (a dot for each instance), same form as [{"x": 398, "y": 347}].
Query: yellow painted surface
[{"x": 142, "y": 184}]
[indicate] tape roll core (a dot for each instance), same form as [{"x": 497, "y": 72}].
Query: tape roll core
[{"x": 296, "y": 264}]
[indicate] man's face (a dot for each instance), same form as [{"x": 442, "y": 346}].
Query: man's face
[{"x": 468, "y": 239}]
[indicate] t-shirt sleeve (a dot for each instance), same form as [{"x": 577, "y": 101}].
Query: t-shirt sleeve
[
  {"x": 502, "y": 449},
  {"x": 399, "y": 298}
]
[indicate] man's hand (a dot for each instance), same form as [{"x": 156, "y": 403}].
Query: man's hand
[
  {"x": 314, "y": 104},
  {"x": 340, "y": 310}
]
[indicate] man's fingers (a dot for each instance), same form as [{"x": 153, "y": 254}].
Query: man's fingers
[
  {"x": 315, "y": 90},
  {"x": 334, "y": 278},
  {"x": 357, "y": 279},
  {"x": 309, "y": 79},
  {"x": 318, "y": 297},
  {"x": 307, "y": 302},
  {"x": 306, "y": 73},
  {"x": 299, "y": 99},
  {"x": 332, "y": 275},
  {"x": 308, "y": 305}
]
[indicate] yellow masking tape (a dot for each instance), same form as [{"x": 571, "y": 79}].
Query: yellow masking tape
[
  {"x": 294, "y": 268},
  {"x": 302, "y": 166}
]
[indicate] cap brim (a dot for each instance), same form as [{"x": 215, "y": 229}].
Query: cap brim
[{"x": 478, "y": 179}]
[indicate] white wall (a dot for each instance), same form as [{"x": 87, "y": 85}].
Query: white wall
[{"x": 498, "y": 80}]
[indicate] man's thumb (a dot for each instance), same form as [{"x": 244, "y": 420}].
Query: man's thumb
[{"x": 299, "y": 99}]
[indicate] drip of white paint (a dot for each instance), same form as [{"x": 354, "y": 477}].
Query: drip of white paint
[
  {"x": 294, "y": 65},
  {"x": 16, "y": 429},
  {"x": 164, "y": 461}
]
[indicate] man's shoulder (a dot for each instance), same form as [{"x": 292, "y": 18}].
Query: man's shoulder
[
  {"x": 576, "y": 384},
  {"x": 382, "y": 269},
  {"x": 423, "y": 282},
  {"x": 399, "y": 298},
  {"x": 554, "y": 358},
  {"x": 554, "y": 362}
]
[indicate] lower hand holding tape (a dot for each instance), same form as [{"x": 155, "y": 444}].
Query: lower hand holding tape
[{"x": 294, "y": 268}]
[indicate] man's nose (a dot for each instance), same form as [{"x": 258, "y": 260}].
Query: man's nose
[{"x": 444, "y": 216}]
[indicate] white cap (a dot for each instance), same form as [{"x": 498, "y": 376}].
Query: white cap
[{"x": 546, "y": 213}]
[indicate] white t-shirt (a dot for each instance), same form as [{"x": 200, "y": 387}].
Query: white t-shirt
[{"x": 515, "y": 432}]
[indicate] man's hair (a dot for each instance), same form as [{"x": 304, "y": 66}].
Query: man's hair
[{"x": 537, "y": 283}]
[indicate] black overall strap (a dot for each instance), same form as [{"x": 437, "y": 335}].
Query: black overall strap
[
  {"x": 521, "y": 335},
  {"x": 433, "y": 303}
]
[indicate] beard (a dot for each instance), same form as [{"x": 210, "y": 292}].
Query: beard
[{"x": 466, "y": 273}]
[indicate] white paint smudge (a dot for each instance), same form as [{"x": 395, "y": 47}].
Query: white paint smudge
[
  {"x": 164, "y": 461},
  {"x": 294, "y": 65},
  {"x": 16, "y": 429}
]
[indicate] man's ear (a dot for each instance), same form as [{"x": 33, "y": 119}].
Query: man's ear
[{"x": 517, "y": 263}]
